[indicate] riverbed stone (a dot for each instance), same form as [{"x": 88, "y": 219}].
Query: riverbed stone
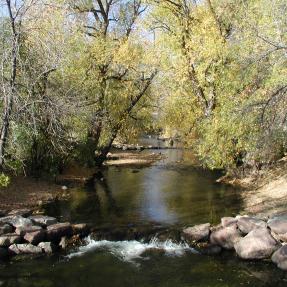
[
  {"x": 209, "y": 249},
  {"x": 197, "y": 232},
  {"x": 9, "y": 239},
  {"x": 257, "y": 244},
  {"x": 5, "y": 228},
  {"x": 225, "y": 237},
  {"x": 280, "y": 257},
  {"x": 22, "y": 212},
  {"x": 226, "y": 221},
  {"x": 43, "y": 220},
  {"x": 25, "y": 248},
  {"x": 35, "y": 237},
  {"x": 22, "y": 230},
  {"x": 247, "y": 224},
  {"x": 56, "y": 231},
  {"x": 47, "y": 247}
]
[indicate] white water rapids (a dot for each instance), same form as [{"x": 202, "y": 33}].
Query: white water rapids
[{"x": 130, "y": 250}]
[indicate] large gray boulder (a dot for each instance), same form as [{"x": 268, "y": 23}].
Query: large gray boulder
[
  {"x": 26, "y": 248},
  {"x": 278, "y": 224},
  {"x": 5, "y": 228},
  {"x": 225, "y": 237},
  {"x": 280, "y": 258},
  {"x": 56, "y": 231},
  {"x": 247, "y": 224},
  {"x": 257, "y": 244},
  {"x": 197, "y": 232},
  {"x": 43, "y": 220},
  {"x": 9, "y": 239},
  {"x": 22, "y": 230},
  {"x": 16, "y": 220},
  {"x": 35, "y": 237},
  {"x": 47, "y": 247},
  {"x": 226, "y": 221}
]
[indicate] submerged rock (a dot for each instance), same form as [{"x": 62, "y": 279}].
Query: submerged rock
[
  {"x": 280, "y": 258},
  {"x": 197, "y": 232},
  {"x": 26, "y": 248},
  {"x": 43, "y": 220},
  {"x": 209, "y": 249},
  {"x": 9, "y": 239},
  {"x": 56, "y": 231},
  {"x": 35, "y": 237},
  {"x": 258, "y": 244},
  {"x": 47, "y": 247},
  {"x": 225, "y": 237},
  {"x": 247, "y": 224}
]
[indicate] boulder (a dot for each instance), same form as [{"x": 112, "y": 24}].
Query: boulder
[
  {"x": 278, "y": 225},
  {"x": 22, "y": 212},
  {"x": 43, "y": 220},
  {"x": 26, "y": 248},
  {"x": 22, "y": 230},
  {"x": 225, "y": 237},
  {"x": 47, "y": 247},
  {"x": 209, "y": 249},
  {"x": 16, "y": 220},
  {"x": 5, "y": 228},
  {"x": 258, "y": 244},
  {"x": 247, "y": 224},
  {"x": 81, "y": 229},
  {"x": 197, "y": 232},
  {"x": 35, "y": 237},
  {"x": 9, "y": 239},
  {"x": 226, "y": 221},
  {"x": 56, "y": 231},
  {"x": 280, "y": 258}
]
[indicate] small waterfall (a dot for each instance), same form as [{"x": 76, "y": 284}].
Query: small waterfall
[{"x": 131, "y": 250}]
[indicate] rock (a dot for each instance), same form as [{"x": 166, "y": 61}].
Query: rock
[
  {"x": 209, "y": 249},
  {"x": 43, "y": 220},
  {"x": 197, "y": 232},
  {"x": 47, "y": 247},
  {"x": 280, "y": 258},
  {"x": 9, "y": 239},
  {"x": 25, "y": 229},
  {"x": 247, "y": 224},
  {"x": 3, "y": 253},
  {"x": 22, "y": 212},
  {"x": 225, "y": 237},
  {"x": 278, "y": 225},
  {"x": 56, "y": 231},
  {"x": 63, "y": 243},
  {"x": 3, "y": 212},
  {"x": 5, "y": 228},
  {"x": 16, "y": 220},
  {"x": 81, "y": 229},
  {"x": 35, "y": 237},
  {"x": 226, "y": 221},
  {"x": 258, "y": 244},
  {"x": 26, "y": 248}
]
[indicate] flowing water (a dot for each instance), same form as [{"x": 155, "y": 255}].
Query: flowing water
[{"x": 169, "y": 194}]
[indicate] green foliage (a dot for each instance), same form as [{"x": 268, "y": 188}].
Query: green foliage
[{"x": 4, "y": 180}]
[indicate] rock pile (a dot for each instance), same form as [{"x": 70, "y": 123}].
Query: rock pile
[
  {"x": 252, "y": 238},
  {"x": 24, "y": 233}
]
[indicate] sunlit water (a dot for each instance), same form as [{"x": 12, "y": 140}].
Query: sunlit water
[{"x": 172, "y": 193}]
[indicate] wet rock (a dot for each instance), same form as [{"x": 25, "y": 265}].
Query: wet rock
[
  {"x": 43, "y": 220},
  {"x": 258, "y": 244},
  {"x": 247, "y": 224},
  {"x": 22, "y": 212},
  {"x": 81, "y": 229},
  {"x": 225, "y": 237},
  {"x": 47, "y": 247},
  {"x": 280, "y": 258},
  {"x": 209, "y": 249},
  {"x": 56, "y": 231},
  {"x": 197, "y": 232},
  {"x": 35, "y": 237},
  {"x": 278, "y": 225},
  {"x": 3, "y": 253},
  {"x": 5, "y": 228},
  {"x": 16, "y": 220},
  {"x": 26, "y": 248},
  {"x": 63, "y": 243},
  {"x": 226, "y": 221},
  {"x": 9, "y": 239},
  {"x": 3, "y": 212},
  {"x": 22, "y": 230}
]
